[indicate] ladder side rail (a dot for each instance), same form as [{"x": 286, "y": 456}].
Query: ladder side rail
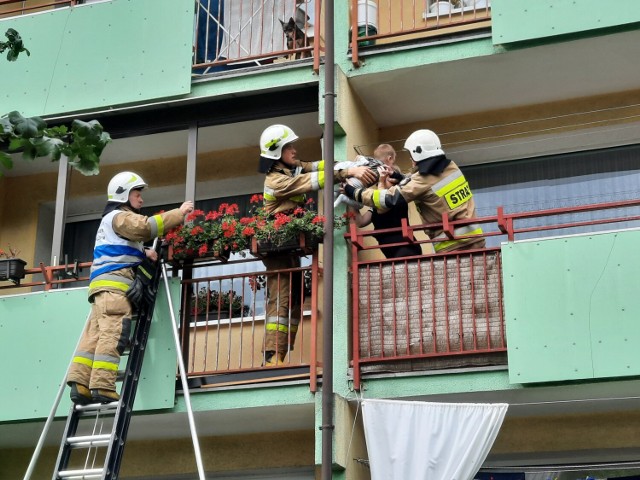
[
  {"x": 123, "y": 414},
  {"x": 183, "y": 377},
  {"x": 52, "y": 413}
]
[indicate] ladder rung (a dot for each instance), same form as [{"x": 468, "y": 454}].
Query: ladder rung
[
  {"x": 89, "y": 441},
  {"x": 102, "y": 407},
  {"x": 80, "y": 474}
]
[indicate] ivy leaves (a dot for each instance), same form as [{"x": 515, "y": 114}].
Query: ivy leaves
[
  {"x": 14, "y": 45},
  {"x": 82, "y": 144}
]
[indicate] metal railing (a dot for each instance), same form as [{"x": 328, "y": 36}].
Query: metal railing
[
  {"x": 446, "y": 310},
  {"x": 51, "y": 277},
  {"x": 380, "y": 22},
  {"x": 12, "y": 8},
  {"x": 223, "y": 325},
  {"x": 244, "y": 33}
]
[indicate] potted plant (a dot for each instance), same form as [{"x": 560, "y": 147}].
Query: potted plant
[
  {"x": 215, "y": 234},
  {"x": 440, "y": 7},
  {"x": 11, "y": 267},
  {"x": 299, "y": 230},
  {"x": 219, "y": 304}
]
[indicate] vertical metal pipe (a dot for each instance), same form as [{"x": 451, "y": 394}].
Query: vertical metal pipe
[
  {"x": 60, "y": 210},
  {"x": 192, "y": 156},
  {"x": 327, "y": 350}
]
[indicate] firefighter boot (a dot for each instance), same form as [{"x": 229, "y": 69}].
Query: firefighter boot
[
  {"x": 80, "y": 394},
  {"x": 276, "y": 359},
  {"x": 100, "y": 395}
]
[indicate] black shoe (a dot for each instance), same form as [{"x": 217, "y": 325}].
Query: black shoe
[
  {"x": 100, "y": 395},
  {"x": 80, "y": 395}
]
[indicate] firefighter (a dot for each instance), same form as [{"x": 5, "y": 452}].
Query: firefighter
[
  {"x": 436, "y": 186},
  {"x": 287, "y": 181},
  {"x": 114, "y": 286}
]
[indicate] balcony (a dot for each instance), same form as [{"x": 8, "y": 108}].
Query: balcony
[
  {"x": 244, "y": 33},
  {"x": 435, "y": 312},
  {"x": 387, "y": 22}
]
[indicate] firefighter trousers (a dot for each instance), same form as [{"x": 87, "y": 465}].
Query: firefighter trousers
[{"x": 95, "y": 363}]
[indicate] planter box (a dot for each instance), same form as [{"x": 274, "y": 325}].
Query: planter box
[
  {"x": 303, "y": 245},
  {"x": 12, "y": 269},
  {"x": 178, "y": 262}
]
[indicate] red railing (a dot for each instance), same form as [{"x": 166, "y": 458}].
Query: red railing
[
  {"x": 435, "y": 311},
  {"x": 245, "y": 33},
  {"x": 52, "y": 276},
  {"x": 378, "y": 22},
  {"x": 12, "y": 8},
  {"x": 223, "y": 326}
]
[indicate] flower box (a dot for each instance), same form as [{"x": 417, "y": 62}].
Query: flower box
[
  {"x": 12, "y": 269},
  {"x": 222, "y": 257},
  {"x": 301, "y": 245}
]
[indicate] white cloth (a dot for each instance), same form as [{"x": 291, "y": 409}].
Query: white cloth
[{"x": 429, "y": 441}]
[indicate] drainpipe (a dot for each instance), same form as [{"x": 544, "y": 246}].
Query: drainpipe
[{"x": 327, "y": 336}]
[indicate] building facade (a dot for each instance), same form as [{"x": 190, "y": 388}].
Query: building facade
[{"x": 537, "y": 101}]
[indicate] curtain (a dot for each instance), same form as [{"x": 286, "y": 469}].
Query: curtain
[{"x": 429, "y": 441}]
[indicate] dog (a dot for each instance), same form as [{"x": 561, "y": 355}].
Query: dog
[{"x": 294, "y": 32}]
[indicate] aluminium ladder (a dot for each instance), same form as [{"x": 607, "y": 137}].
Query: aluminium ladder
[
  {"x": 98, "y": 416},
  {"x": 119, "y": 412}
]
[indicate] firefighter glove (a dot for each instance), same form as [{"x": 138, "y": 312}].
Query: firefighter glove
[{"x": 142, "y": 287}]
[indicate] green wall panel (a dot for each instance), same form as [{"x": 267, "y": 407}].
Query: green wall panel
[
  {"x": 99, "y": 55},
  {"x": 572, "y": 307},
  {"x": 518, "y": 20},
  {"x": 38, "y": 335}
]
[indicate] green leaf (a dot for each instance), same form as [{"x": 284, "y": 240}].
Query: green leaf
[{"x": 6, "y": 161}]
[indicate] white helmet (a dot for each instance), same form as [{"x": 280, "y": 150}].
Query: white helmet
[
  {"x": 273, "y": 139},
  {"x": 120, "y": 186},
  {"x": 423, "y": 144}
]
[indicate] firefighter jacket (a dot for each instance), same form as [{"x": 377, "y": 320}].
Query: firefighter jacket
[
  {"x": 285, "y": 187},
  {"x": 119, "y": 246},
  {"x": 434, "y": 194}
]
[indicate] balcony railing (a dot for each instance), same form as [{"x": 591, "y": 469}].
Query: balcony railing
[
  {"x": 441, "y": 311},
  {"x": 232, "y": 34},
  {"x": 12, "y": 8},
  {"x": 223, "y": 325},
  {"x": 380, "y": 22}
]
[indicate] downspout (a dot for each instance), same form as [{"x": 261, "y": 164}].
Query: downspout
[{"x": 327, "y": 322}]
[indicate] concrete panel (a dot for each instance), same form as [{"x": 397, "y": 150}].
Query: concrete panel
[
  {"x": 38, "y": 334},
  {"x": 519, "y": 20},
  {"x": 570, "y": 307},
  {"x": 99, "y": 55}
]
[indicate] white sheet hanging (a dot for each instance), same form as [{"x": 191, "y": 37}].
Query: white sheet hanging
[{"x": 429, "y": 441}]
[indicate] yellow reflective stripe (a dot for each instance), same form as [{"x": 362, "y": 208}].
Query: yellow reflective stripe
[
  {"x": 146, "y": 274},
  {"x": 106, "y": 365},
  {"x": 299, "y": 198},
  {"x": 83, "y": 361},
  {"x": 442, "y": 245},
  {"x": 108, "y": 283},
  {"x": 321, "y": 178},
  {"x": 160, "y": 222},
  {"x": 376, "y": 199},
  {"x": 272, "y": 327},
  {"x": 458, "y": 196},
  {"x": 456, "y": 182},
  {"x": 320, "y": 166}
]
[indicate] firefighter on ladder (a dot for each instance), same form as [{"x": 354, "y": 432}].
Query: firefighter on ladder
[
  {"x": 115, "y": 284},
  {"x": 288, "y": 180},
  {"x": 437, "y": 186}
]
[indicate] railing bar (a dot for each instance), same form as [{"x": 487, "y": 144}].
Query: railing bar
[
  {"x": 428, "y": 355},
  {"x": 243, "y": 295},
  {"x": 394, "y": 316},
  {"x": 445, "y": 281},
  {"x": 231, "y": 300},
  {"x": 420, "y": 318},
  {"x": 407, "y": 316},
  {"x": 381, "y": 309},
  {"x": 218, "y": 308},
  {"x": 207, "y": 307},
  {"x": 460, "y": 309},
  {"x": 434, "y": 330},
  {"x": 195, "y": 309},
  {"x": 473, "y": 300},
  {"x": 486, "y": 300}
]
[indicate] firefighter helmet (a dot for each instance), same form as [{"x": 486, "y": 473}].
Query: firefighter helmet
[
  {"x": 121, "y": 185},
  {"x": 423, "y": 144},
  {"x": 273, "y": 139}
]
